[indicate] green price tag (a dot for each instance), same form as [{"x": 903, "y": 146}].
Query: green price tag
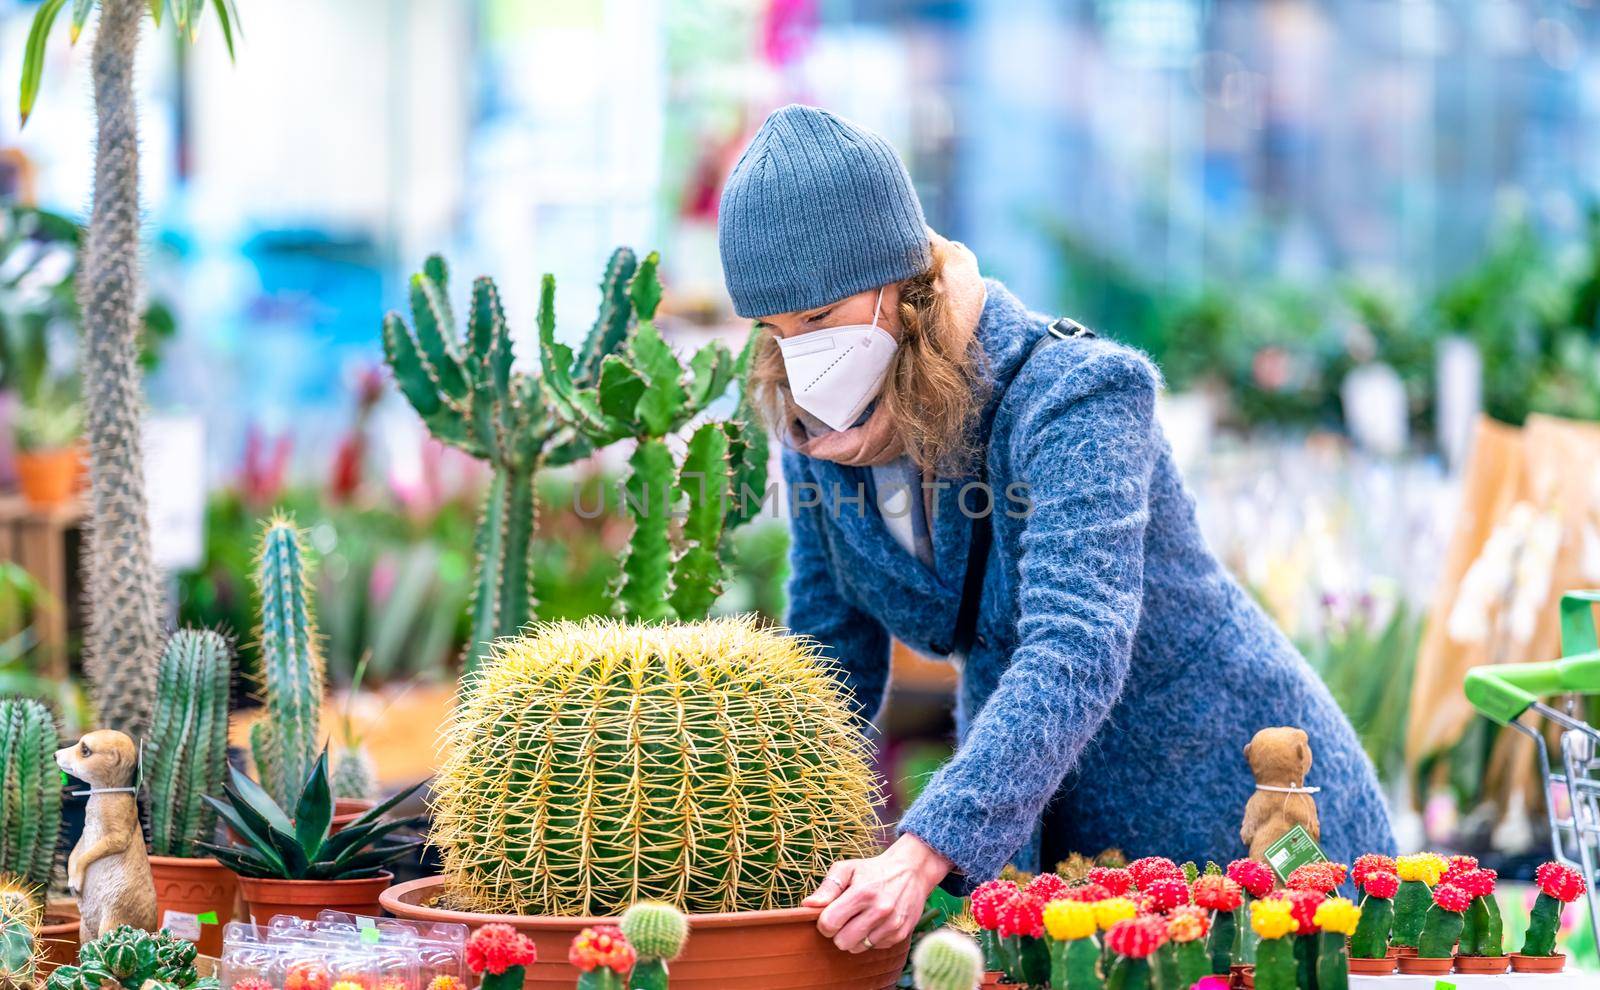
[
  {"x": 1294, "y": 850},
  {"x": 209, "y": 918},
  {"x": 1443, "y": 985},
  {"x": 370, "y": 936}
]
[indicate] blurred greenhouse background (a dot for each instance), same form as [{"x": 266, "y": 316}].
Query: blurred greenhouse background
[{"x": 1343, "y": 229}]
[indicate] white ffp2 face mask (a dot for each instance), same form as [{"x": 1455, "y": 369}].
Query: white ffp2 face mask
[{"x": 835, "y": 373}]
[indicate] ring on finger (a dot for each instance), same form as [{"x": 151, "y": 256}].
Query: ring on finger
[{"x": 867, "y": 942}]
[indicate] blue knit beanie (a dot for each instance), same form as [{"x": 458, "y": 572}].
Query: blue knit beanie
[{"x": 817, "y": 209}]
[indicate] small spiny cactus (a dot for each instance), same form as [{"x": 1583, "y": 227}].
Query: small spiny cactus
[
  {"x": 713, "y": 764},
  {"x": 30, "y": 800},
  {"x": 20, "y": 916},
  {"x": 658, "y": 933},
  {"x": 354, "y": 773},
  {"x": 188, "y": 750},
  {"x": 946, "y": 960},
  {"x": 291, "y": 665}
]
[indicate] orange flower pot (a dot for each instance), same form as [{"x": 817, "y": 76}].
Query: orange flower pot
[
  {"x": 1537, "y": 964},
  {"x": 734, "y": 951},
  {"x": 48, "y": 478},
  {"x": 194, "y": 899},
  {"x": 347, "y": 810},
  {"x": 1483, "y": 965},
  {"x": 1371, "y": 967},
  {"x": 1426, "y": 965},
  {"x": 58, "y": 936},
  {"x": 305, "y": 898}
]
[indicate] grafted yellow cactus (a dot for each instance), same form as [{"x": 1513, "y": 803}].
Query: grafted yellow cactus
[{"x": 712, "y": 765}]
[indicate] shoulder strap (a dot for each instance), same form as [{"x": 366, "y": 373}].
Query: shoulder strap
[{"x": 966, "y": 629}]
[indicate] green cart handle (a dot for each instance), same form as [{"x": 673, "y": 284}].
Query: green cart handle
[{"x": 1504, "y": 691}]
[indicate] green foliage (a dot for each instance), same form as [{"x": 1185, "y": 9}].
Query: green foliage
[
  {"x": 186, "y": 14},
  {"x": 1482, "y": 930},
  {"x": 137, "y": 960},
  {"x": 188, "y": 742},
  {"x": 947, "y": 960},
  {"x": 644, "y": 392},
  {"x": 52, "y": 419},
  {"x": 1220, "y": 942},
  {"x": 1378, "y": 707},
  {"x": 291, "y": 662},
  {"x": 469, "y": 395},
  {"x": 273, "y": 845},
  {"x": 30, "y": 800},
  {"x": 1132, "y": 974}
]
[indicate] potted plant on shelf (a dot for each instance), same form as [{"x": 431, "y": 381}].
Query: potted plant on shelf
[
  {"x": 1129, "y": 946},
  {"x": 1418, "y": 874},
  {"x": 1336, "y": 920},
  {"x": 1183, "y": 960},
  {"x": 48, "y": 428},
  {"x": 1482, "y": 949},
  {"x": 186, "y": 760},
  {"x": 298, "y": 866},
  {"x": 1441, "y": 929},
  {"x": 137, "y": 960},
  {"x": 1223, "y": 898},
  {"x": 1369, "y": 944},
  {"x": 1074, "y": 955},
  {"x": 30, "y": 818},
  {"x": 658, "y": 932},
  {"x": 1559, "y": 885},
  {"x": 1275, "y": 967},
  {"x": 986, "y": 902},
  {"x": 20, "y": 916},
  {"x": 735, "y": 729}
]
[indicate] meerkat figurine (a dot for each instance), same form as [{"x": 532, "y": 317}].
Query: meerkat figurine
[{"x": 108, "y": 871}]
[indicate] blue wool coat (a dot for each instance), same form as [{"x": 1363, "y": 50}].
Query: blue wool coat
[{"x": 1119, "y": 670}]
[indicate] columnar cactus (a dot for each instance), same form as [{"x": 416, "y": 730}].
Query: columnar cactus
[
  {"x": 1256, "y": 879},
  {"x": 1130, "y": 944},
  {"x": 1417, "y": 874},
  {"x": 1074, "y": 956},
  {"x": 1371, "y": 937},
  {"x": 1441, "y": 927},
  {"x": 469, "y": 396},
  {"x": 658, "y": 933},
  {"x": 636, "y": 733},
  {"x": 1558, "y": 885},
  {"x": 1273, "y": 921},
  {"x": 946, "y": 960},
  {"x": 1183, "y": 960},
  {"x": 1482, "y": 930},
  {"x": 1223, "y": 898},
  {"x": 30, "y": 801},
  {"x": 286, "y": 744},
  {"x": 1336, "y": 920},
  {"x": 20, "y": 916},
  {"x": 643, "y": 392},
  {"x": 187, "y": 756}
]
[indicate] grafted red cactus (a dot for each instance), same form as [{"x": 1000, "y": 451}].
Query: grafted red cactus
[
  {"x": 1087, "y": 894},
  {"x": 1370, "y": 863},
  {"x": 1381, "y": 884},
  {"x": 1022, "y": 914},
  {"x": 1253, "y": 876},
  {"x": 1166, "y": 893},
  {"x": 1560, "y": 882},
  {"x": 1217, "y": 893},
  {"x": 1115, "y": 880},
  {"x": 1151, "y": 868},
  {"x": 1137, "y": 938},
  {"x": 1047, "y": 887},
  {"x": 986, "y": 902}
]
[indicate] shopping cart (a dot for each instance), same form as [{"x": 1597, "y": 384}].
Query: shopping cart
[{"x": 1505, "y": 692}]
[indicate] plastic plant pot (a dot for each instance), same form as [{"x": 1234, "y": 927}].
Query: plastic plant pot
[
  {"x": 1426, "y": 965},
  {"x": 1482, "y": 965},
  {"x": 1372, "y": 967},
  {"x": 305, "y": 898},
  {"x": 189, "y": 890},
  {"x": 1538, "y": 964}
]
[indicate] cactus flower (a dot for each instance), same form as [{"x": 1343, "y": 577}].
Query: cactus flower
[
  {"x": 1370, "y": 863},
  {"x": 601, "y": 947},
  {"x": 493, "y": 949},
  {"x": 1272, "y": 919},
  {"x": 1187, "y": 923},
  {"x": 1255, "y": 877},
  {"x": 1337, "y": 914},
  {"x": 1066, "y": 920},
  {"x": 1112, "y": 910},
  {"x": 1115, "y": 880}
]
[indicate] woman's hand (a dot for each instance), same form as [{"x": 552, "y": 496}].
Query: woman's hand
[{"x": 871, "y": 903}]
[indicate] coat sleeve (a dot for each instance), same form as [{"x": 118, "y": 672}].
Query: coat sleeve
[
  {"x": 853, "y": 640},
  {"x": 1087, "y": 448}
]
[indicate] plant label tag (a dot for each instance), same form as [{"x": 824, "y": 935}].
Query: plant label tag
[
  {"x": 209, "y": 918},
  {"x": 369, "y": 930},
  {"x": 1295, "y": 849},
  {"x": 182, "y": 924}
]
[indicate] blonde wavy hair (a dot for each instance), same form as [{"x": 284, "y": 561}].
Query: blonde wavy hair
[{"x": 934, "y": 391}]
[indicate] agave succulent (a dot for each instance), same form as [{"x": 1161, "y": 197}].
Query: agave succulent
[{"x": 271, "y": 845}]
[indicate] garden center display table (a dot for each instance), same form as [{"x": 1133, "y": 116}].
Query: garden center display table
[{"x": 1506, "y": 981}]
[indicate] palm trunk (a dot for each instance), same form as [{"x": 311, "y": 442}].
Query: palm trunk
[{"x": 124, "y": 595}]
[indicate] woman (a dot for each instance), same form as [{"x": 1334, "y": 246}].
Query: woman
[{"x": 1111, "y": 671}]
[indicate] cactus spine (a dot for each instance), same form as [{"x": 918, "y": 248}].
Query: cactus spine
[
  {"x": 714, "y": 765},
  {"x": 20, "y": 916},
  {"x": 658, "y": 933},
  {"x": 947, "y": 960},
  {"x": 188, "y": 751},
  {"x": 30, "y": 801},
  {"x": 643, "y": 392},
  {"x": 468, "y": 396},
  {"x": 291, "y": 665}
]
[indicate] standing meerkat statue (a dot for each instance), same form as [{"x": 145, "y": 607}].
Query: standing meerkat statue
[
  {"x": 108, "y": 872},
  {"x": 1280, "y": 758}
]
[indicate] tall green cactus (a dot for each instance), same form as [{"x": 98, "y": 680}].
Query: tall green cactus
[
  {"x": 187, "y": 756},
  {"x": 291, "y": 665},
  {"x": 30, "y": 800},
  {"x": 643, "y": 392},
  {"x": 469, "y": 396}
]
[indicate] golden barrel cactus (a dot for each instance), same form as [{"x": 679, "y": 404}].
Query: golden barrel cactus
[{"x": 713, "y": 765}]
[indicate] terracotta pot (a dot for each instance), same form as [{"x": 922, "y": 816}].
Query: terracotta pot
[
  {"x": 194, "y": 899},
  {"x": 347, "y": 810},
  {"x": 1482, "y": 964},
  {"x": 1371, "y": 967},
  {"x": 991, "y": 980},
  {"x": 773, "y": 950},
  {"x": 1393, "y": 952},
  {"x": 1403, "y": 950},
  {"x": 1425, "y": 966},
  {"x": 48, "y": 478},
  {"x": 59, "y": 934},
  {"x": 1247, "y": 978},
  {"x": 1537, "y": 964},
  {"x": 304, "y": 898}
]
